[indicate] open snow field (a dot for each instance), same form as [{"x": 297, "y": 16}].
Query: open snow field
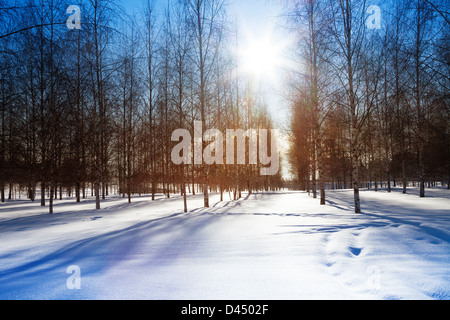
[{"x": 265, "y": 247}]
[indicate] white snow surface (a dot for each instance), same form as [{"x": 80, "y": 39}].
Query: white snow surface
[{"x": 266, "y": 246}]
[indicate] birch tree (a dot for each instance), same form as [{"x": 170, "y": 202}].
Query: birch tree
[
  {"x": 348, "y": 31},
  {"x": 206, "y": 23}
]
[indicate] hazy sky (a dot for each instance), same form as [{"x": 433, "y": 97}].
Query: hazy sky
[{"x": 256, "y": 19}]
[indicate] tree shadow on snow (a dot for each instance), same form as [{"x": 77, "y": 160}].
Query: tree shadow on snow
[{"x": 38, "y": 277}]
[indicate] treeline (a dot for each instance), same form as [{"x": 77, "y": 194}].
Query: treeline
[
  {"x": 90, "y": 112},
  {"x": 370, "y": 95}
]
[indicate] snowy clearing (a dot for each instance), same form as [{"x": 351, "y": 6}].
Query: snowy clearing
[{"x": 268, "y": 246}]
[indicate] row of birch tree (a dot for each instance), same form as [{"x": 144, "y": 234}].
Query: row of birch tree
[
  {"x": 370, "y": 94},
  {"x": 88, "y": 111}
]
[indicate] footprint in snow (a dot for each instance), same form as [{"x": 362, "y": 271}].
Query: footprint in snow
[{"x": 355, "y": 251}]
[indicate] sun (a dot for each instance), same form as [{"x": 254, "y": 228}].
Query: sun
[{"x": 260, "y": 57}]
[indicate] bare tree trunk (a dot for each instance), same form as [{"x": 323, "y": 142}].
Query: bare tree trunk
[
  {"x": 205, "y": 19},
  {"x": 420, "y": 116},
  {"x": 3, "y": 144},
  {"x": 50, "y": 207},
  {"x": 321, "y": 176},
  {"x": 150, "y": 25},
  {"x": 354, "y": 131},
  {"x": 53, "y": 116},
  {"x": 314, "y": 164},
  {"x": 42, "y": 136},
  {"x": 97, "y": 190}
]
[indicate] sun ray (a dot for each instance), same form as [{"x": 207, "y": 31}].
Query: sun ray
[{"x": 261, "y": 56}]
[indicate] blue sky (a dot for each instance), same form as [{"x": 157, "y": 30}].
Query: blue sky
[
  {"x": 253, "y": 16},
  {"x": 255, "y": 12}
]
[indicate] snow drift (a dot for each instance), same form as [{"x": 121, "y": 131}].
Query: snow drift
[{"x": 281, "y": 245}]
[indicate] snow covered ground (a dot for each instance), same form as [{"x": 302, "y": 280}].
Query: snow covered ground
[{"x": 269, "y": 246}]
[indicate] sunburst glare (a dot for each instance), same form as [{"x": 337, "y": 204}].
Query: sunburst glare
[{"x": 261, "y": 56}]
